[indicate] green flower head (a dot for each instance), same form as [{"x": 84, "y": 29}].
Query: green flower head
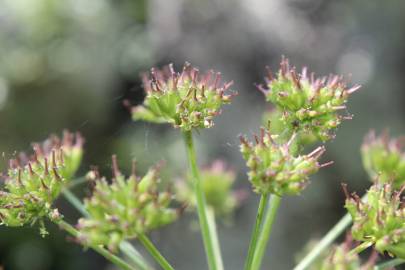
[
  {"x": 274, "y": 169},
  {"x": 32, "y": 184},
  {"x": 124, "y": 208},
  {"x": 308, "y": 104},
  {"x": 217, "y": 182},
  {"x": 379, "y": 220},
  {"x": 186, "y": 100},
  {"x": 384, "y": 159}
]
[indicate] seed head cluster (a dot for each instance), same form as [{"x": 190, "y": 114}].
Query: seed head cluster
[
  {"x": 124, "y": 208},
  {"x": 308, "y": 104},
  {"x": 384, "y": 158},
  {"x": 33, "y": 183},
  {"x": 380, "y": 219},
  {"x": 273, "y": 168},
  {"x": 187, "y": 100}
]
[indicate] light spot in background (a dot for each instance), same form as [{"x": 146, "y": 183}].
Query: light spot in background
[
  {"x": 269, "y": 19},
  {"x": 359, "y": 63},
  {"x": 23, "y": 8},
  {"x": 66, "y": 57},
  {"x": 164, "y": 25},
  {"x": 136, "y": 52},
  {"x": 3, "y": 93},
  {"x": 88, "y": 8},
  {"x": 24, "y": 66}
]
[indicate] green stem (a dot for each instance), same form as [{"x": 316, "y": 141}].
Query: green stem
[
  {"x": 328, "y": 239},
  {"x": 360, "y": 248},
  {"x": 125, "y": 247},
  {"x": 209, "y": 237},
  {"x": 266, "y": 231},
  {"x": 154, "y": 252},
  {"x": 73, "y": 200},
  {"x": 133, "y": 255},
  {"x": 213, "y": 228},
  {"x": 78, "y": 181},
  {"x": 256, "y": 230},
  {"x": 389, "y": 264},
  {"x": 102, "y": 251}
]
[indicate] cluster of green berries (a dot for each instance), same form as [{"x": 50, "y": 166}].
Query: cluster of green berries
[
  {"x": 217, "y": 181},
  {"x": 33, "y": 183},
  {"x": 308, "y": 104},
  {"x": 124, "y": 208},
  {"x": 380, "y": 219},
  {"x": 384, "y": 159},
  {"x": 186, "y": 100},
  {"x": 274, "y": 168}
]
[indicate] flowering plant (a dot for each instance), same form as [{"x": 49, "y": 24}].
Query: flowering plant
[{"x": 305, "y": 110}]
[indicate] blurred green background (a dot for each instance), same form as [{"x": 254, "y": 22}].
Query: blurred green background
[{"x": 70, "y": 64}]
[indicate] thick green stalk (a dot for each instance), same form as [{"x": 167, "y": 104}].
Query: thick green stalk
[
  {"x": 102, "y": 251},
  {"x": 209, "y": 237},
  {"x": 266, "y": 231},
  {"x": 125, "y": 247},
  {"x": 154, "y": 252},
  {"x": 256, "y": 230},
  {"x": 389, "y": 264}
]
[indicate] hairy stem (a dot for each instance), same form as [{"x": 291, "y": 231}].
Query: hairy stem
[
  {"x": 266, "y": 231},
  {"x": 209, "y": 237},
  {"x": 102, "y": 251},
  {"x": 389, "y": 264},
  {"x": 154, "y": 252},
  {"x": 256, "y": 230},
  {"x": 125, "y": 247}
]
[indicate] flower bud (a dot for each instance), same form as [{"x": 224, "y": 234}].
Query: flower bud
[
  {"x": 186, "y": 100},
  {"x": 379, "y": 220},
  {"x": 124, "y": 208},
  {"x": 383, "y": 159},
  {"x": 274, "y": 169},
  {"x": 308, "y": 104}
]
